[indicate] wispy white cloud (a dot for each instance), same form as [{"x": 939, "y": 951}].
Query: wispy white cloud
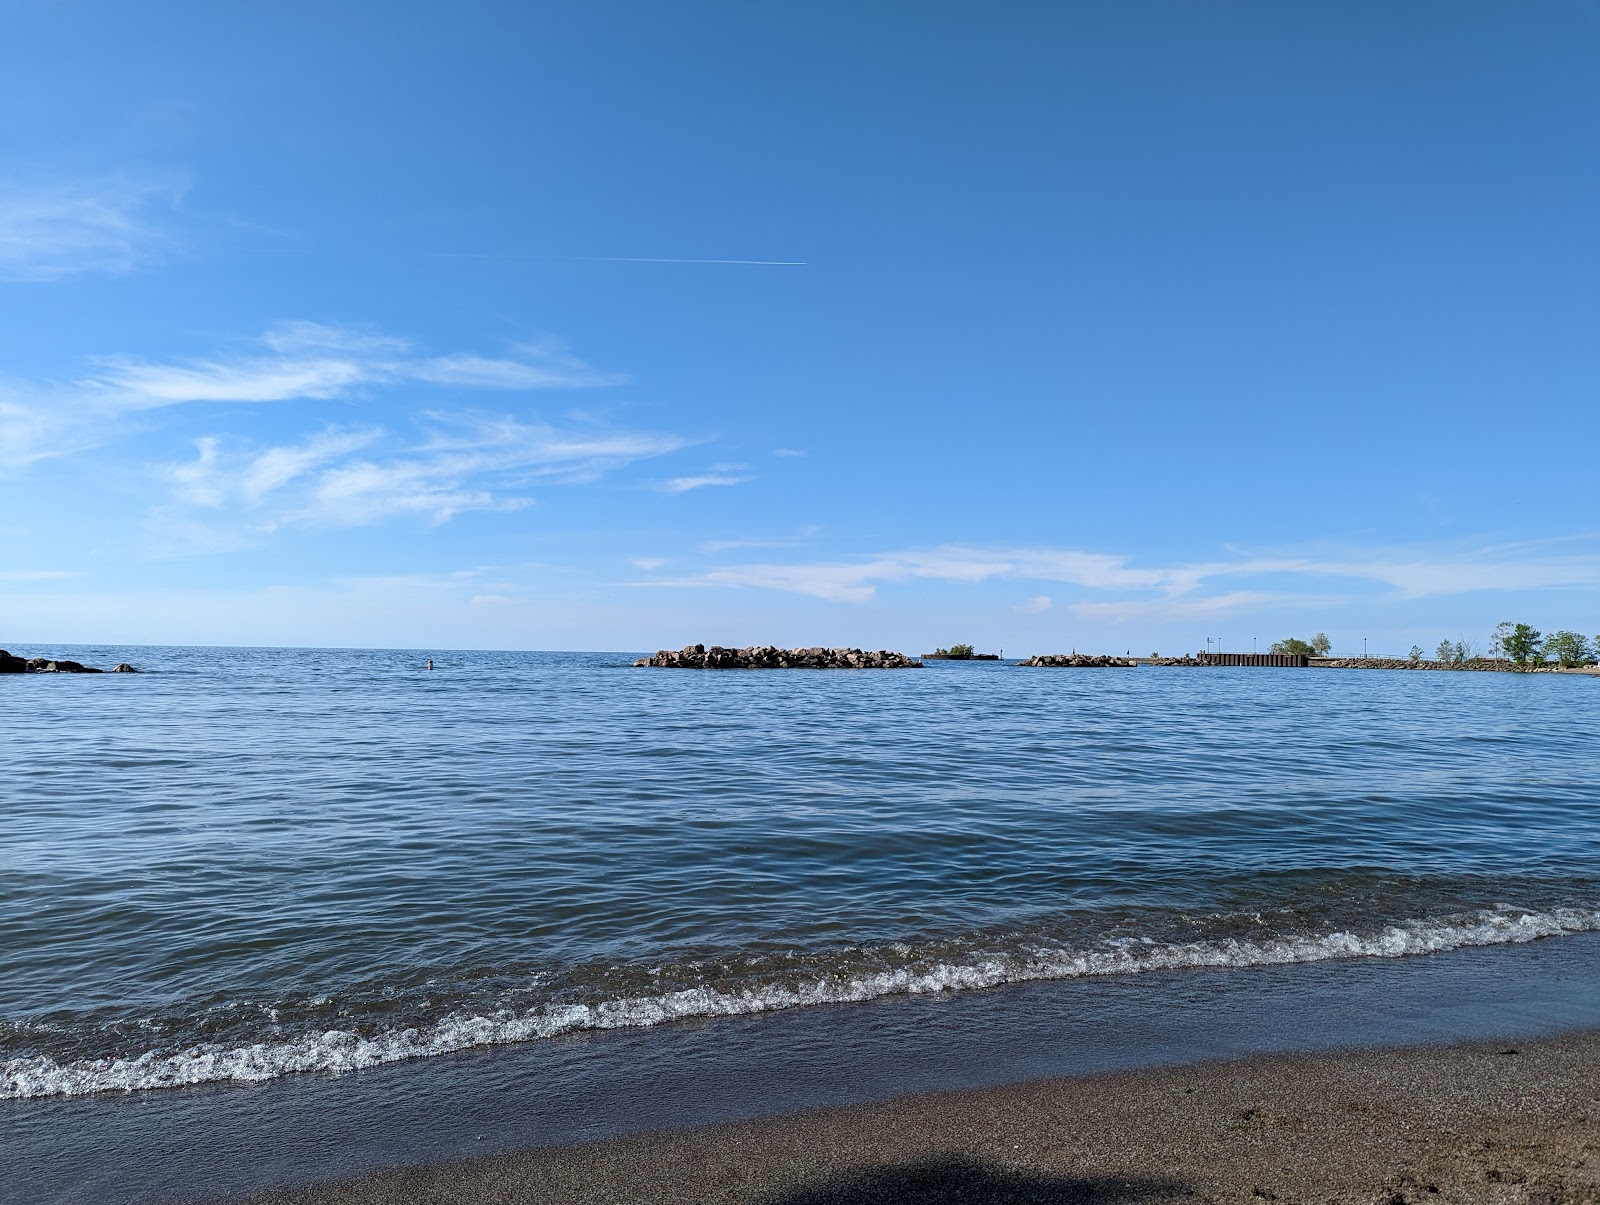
[
  {"x": 230, "y": 494},
  {"x": 682, "y": 485},
  {"x": 362, "y": 492},
  {"x": 126, "y": 385},
  {"x": 292, "y": 361},
  {"x": 278, "y": 466},
  {"x": 837, "y": 583},
  {"x": 297, "y": 336},
  {"x": 52, "y": 231},
  {"x": 1037, "y": 605},
  {"x": 1177, "y": 589},
  {"x": 788, "y": 452},
  {"x": 220, "y": 476},
  {"x": 1153, "y": 610},
  {"x": 317, "y": 361},
  {"x": 712, "y": 547},
  {"x": 475, "y": 442}
]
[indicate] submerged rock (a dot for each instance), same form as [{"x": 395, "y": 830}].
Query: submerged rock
[{"x": 766, "y": 656}]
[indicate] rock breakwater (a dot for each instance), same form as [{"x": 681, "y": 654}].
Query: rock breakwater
[
  {"x": 12, "y": 664},
  {"x": 766, "y": 656},
  {"x": 1079, "y": 661},
  {"x": 1477, "y": 664}
]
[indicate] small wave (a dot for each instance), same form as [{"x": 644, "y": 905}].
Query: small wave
[{"x": 338, "y": 1051}]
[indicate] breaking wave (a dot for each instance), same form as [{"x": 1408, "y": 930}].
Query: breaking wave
[{"x": 337, "y": 1051}]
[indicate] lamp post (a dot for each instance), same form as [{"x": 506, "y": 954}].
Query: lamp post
[{"x": 1363, "y": 648}]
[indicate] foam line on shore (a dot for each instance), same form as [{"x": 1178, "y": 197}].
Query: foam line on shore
[{"x": 338, "y": 1051}]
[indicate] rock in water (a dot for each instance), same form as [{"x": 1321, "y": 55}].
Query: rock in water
[
  {"x": 1077, "y": 661},
  {"x": 767, "y": 656},
  {"x": 10, "y": 664}
]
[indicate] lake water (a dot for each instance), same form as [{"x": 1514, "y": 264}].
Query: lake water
[{"x": 244, "y": 863}]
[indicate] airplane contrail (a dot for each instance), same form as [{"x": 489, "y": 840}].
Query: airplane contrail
[
  {"x": 624, "y": 259},
  {"x": 593, "y": 259},
  {"x": 650, "y": 259}
]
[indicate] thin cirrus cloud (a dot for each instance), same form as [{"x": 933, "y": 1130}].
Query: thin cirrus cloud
[
  {"x": 49, "y": 232},
  {"x": 316, "y": 361},
  {"x": 713, "y": 547},
  {"x": 1173, "y": 590},
  {"x": 231, "y": 495},
  {"x": 682, "y": 485},
  {"x": 291, "y": 361}
]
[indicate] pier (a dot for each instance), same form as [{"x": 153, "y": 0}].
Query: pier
[{"x": 1294, "y": 660}]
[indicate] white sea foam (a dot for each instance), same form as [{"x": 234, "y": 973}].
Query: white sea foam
[{"x": 339, "y": 1051}]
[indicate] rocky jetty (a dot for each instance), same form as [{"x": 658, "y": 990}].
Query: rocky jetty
[
  {"x": 766, "y": 656},
  {"x": 1491, "y": 665},
  {"x": 1079, "y": 661},
  {"x": 10, "y": 664}
]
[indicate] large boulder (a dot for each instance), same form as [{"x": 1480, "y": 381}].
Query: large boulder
[
  {"x": 45, "y": 665},
  {"x": 10, "y": 664}
]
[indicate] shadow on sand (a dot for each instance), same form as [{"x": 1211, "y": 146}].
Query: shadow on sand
[{"x": 953, "y": 1179}]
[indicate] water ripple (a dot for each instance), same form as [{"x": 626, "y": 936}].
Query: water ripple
[{"x": 249, "y": 850}]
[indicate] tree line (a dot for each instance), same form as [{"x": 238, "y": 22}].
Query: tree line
[
  {"x": 1318, "y": 646},
  {"x": 1527, "y": 645},
  {"x": 1524, "y": 644},
  {"x": 1519, "y": 643}
]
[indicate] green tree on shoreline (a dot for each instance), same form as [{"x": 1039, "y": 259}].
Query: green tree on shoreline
[
  {"x": 1519, "y": 642},
  {"x": 1570, "y": 649},
  {"x": 1292, "y": 646}
]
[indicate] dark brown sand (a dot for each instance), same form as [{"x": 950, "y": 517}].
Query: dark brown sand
[{"x": 1489, "y": 1124}]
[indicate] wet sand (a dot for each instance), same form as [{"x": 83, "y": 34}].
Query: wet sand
[{"x": 1498, "y": 1123}]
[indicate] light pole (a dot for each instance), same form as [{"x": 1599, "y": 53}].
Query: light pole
[{"x": 1363, "y": 648}]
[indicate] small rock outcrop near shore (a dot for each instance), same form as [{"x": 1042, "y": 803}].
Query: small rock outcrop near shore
[
  {"x": 766, "y": 656},
  {"x": 1079, "y": 661},
  {"x": 10, "y": 664}
]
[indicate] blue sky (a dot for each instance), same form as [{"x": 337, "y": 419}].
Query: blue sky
[{"x": 1094, "y": 325}]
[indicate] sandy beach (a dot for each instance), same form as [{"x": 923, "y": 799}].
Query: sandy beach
[{"x": 1482, "y": 1123}]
